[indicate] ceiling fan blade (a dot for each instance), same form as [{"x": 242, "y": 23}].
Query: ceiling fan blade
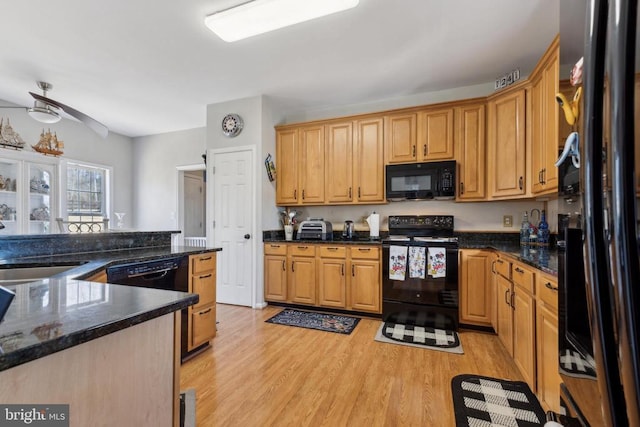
[{"x": 92, "y": 123}]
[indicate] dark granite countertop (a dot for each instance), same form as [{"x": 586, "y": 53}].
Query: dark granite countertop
[
  {"x": 89, "y": 263},
  {"x": 63, "y": 311},
  {"x": 51, "y": 315},
  {"x": 542, "y": 258}
]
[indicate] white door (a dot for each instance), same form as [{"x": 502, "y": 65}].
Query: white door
[{"x": 233, "y": 223}]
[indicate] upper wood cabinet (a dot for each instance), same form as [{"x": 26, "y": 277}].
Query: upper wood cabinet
[
  {"x": 368, "y": 160},
  {"x": 470, "y": 151},
  {"x": 435, "y": 135},
  {"x": 287, "y": 166},
  {"x": 339, "y": 157},
  {"x": 400, "y": 138},
  {"x": 506, "y": 163},
  {"x": 544, "y": 122}
]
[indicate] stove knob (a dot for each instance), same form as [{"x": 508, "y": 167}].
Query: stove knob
[
  {"x": 449, "y": 222},
  {"x": 418, "y": 295}
]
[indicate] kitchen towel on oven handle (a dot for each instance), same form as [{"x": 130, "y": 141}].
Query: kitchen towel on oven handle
[
  {"x": 417, "y": 262},
  {"x": 397, "y": 262},
  {"x": 437, "y": 262}
]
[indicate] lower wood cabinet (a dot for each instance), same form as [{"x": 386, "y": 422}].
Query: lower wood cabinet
[
  {"x": 202, "y": 316},
  {"x": 547, "y": 342},
  {"x": 334, "y": 276},
  {"x": 526, "y": 320},
  {"x": 475, "y": 287}
]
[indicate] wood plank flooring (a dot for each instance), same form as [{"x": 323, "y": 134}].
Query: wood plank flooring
[{"x": 262, "y": 374}]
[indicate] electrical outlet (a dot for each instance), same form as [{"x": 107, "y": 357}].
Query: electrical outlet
[{"x": 507, "y": 221}]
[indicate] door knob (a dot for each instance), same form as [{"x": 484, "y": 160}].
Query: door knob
[{"x": 247, "y": 236}]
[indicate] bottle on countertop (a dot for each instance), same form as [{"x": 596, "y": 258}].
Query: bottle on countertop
[
  {"x": 524, "y": 229},
  {"x": 543, "y": 230}
]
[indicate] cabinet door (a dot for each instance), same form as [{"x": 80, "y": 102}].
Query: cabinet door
[
  {"x": 547, "y": 352},
  {"x": 400, "y": 138},
  {"x": 275, "y": 278},
  {"x": 524, "y": 351},
  {"x": 537, "y": 135},
  {"x": 287, "y": 167},
  {"x": 551, "y": 76},
  {"x": 636, "y": 112},
  {"x": 41, "y": 205},
  {"x": 475, "y": 290},
  {"x": 435, "y": 135},
  {"x": 339, "y": 162},
  {"x": 332, "y": 283},
  {"x": 365, "y": 290},
  {"x": 311, "y": 172},
  {"x": 11, "y": 213},
  {"x": 369, "y": 160},
  {"x": 505, "y": 313},
  {"x": 494, "y": 293},
  {"x": 302, "y": 280},
  {"x": 507, "y": 154},
  {"x": 470, "y": 152}
]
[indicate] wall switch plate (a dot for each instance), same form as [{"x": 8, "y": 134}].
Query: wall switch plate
[{"x": 507, "y": 221}]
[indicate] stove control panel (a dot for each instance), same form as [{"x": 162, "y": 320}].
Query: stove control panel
[{"x": 421, "y": 222}]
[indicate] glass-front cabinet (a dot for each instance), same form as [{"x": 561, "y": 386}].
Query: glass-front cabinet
[{"x": 29, "y": 193}]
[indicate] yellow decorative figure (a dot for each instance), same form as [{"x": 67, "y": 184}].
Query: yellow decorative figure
[{"x": 571, "y": 109}]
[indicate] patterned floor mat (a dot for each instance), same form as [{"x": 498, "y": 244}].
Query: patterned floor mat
[
  {"x": 419, "y": 336},
  {"x": 312, "y": 320},
  {"x": 483, "y": 401}
]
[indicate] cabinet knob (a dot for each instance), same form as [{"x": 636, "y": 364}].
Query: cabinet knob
[
  {"x": 548, "y": 285},
  {"x": 461, "y": 187},
  {"x": 424, "y": 150},
  {"x": 413, "y": 153},
  {"x": 521, "y": 183},
  {"x": 247, "y": 236},
  {"x": 519, "y": 270}
]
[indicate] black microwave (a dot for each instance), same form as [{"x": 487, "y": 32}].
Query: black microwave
[
  {"x": 568, "y": 178},
  {"x": 421, "y": 181}
]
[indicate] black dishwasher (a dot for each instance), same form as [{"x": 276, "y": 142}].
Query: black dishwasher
[{"x": 165, "y": 273}]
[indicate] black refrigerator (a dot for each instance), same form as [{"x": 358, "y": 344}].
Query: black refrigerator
[{"x": 599, "y": 268}]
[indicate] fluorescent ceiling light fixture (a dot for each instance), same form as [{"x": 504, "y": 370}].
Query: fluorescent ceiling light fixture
[{"x": 261, "y": 16}]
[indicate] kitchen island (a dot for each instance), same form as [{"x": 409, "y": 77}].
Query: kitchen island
[{"x": 111, "y": 352}]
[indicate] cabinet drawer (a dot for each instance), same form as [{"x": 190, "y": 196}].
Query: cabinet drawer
[
  {"x": 547, "y": 291},
  {"x": 523, "y": 277},
  {"x": 203, "y": 326},
  {"x": 333, "y": 252},
  {"x": 205, "y": 286},
  {"x": 302, "y": 250},
  {"x": 503, "y": 267},
  {"x": 275, "y": 249},
  {"x": 203, "y": 262},
  {"x": 365, "y": 252}
]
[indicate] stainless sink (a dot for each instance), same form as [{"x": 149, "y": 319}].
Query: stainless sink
[{"x": 12, "y": 276}]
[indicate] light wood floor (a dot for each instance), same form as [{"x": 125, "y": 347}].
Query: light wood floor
[{"x": 261, "y": 374}]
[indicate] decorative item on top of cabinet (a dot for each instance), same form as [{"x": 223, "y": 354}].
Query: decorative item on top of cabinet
[
  {"x": 475, "y": 287},
  {"x": 545, "y": 122},
  {"x": 506, "y": 133},
  {"x": 202, "y": 316},
  {"x": 470, "y": 151},
  {"x": 435, "y": 135}
]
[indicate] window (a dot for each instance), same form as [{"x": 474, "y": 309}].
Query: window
[{"x": 86, "y": 192}]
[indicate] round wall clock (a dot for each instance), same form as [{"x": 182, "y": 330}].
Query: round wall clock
[{"x": 232, "y": 125}]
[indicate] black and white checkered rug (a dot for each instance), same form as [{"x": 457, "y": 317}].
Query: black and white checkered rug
[
  {"x": 483, "y": 401},
  {"x": 419, "y": 336},
  {"x": 573, "y": 364}
]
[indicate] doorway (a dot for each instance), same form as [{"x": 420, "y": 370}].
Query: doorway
[
  {"x": 192, "y": 195},
  {"x": 231, "y": 178}
]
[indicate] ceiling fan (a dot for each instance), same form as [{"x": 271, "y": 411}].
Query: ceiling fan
[{"x": 45, "y": 110}]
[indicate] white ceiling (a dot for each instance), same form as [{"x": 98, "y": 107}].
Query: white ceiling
[{"x": 144, "y": 67}]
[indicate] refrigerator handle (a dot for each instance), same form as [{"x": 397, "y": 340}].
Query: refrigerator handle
[
  {"x": 624, "y": 240},
  {"x": 596, "y": 264}
]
